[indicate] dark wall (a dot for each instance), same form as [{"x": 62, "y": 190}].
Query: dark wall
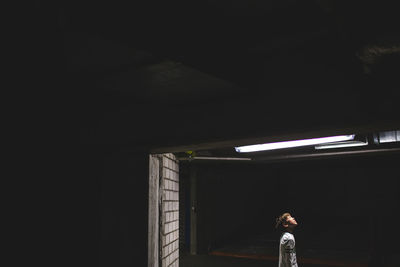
[
  {"x": 338, "y": 203},
  {"x": 112, "y": 211}
]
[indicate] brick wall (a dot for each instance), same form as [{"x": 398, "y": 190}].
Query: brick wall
[{"x": 169, "y": 213}]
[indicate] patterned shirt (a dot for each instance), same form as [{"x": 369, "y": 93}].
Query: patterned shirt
[{"x": 287, "y": 251}]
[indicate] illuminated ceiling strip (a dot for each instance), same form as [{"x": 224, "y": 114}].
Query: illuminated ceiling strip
[{"x": 294, "y": 143}]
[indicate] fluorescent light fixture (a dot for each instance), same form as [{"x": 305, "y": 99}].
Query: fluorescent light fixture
[
  {"x": 294, "y": 143},
  {"x": 389, "y": 136},
  {"x": 341, "y": 144}
]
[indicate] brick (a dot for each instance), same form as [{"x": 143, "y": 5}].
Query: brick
[
  {"x": 169, "y": 164},
  {"x": 164, "y": 252},
  {"x": 166, "y": 184},
  {"x": 170, "y": 185},
  {"x": 165, "y": 204},
  {"x": 165, "y": 161},
  {"x": 175, "y": 176},
  {"x": 170, "y": 227},
  {"x": 174, "y": 236},
  {"x": 172, "y": 176}
]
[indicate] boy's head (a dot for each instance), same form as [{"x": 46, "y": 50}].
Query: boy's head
[{"x": 285, "y": 222}]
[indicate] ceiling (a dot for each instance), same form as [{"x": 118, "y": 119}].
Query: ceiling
[
  {"x": 178, "y": 73},
  {"x": 367, "y": 144}
]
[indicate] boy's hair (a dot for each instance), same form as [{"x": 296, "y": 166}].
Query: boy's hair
[{"x": 281, "y": 219}]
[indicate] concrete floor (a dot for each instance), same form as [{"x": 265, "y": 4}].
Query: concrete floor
[
  {"x": 204, "y": 260},
  {"x": 261, "y": 251},
  {"x": 220, "y": 261}
]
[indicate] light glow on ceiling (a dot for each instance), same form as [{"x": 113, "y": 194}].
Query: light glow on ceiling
[{"x": 294, "y": 143}]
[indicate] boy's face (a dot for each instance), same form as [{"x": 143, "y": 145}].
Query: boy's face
[{"x": 290, "y": 222}]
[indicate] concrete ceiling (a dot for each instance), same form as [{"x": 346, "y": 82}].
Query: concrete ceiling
[{"x": 215, "y": 70}]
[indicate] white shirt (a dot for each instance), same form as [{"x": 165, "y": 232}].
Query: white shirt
[{"x": 287, "y": 251}]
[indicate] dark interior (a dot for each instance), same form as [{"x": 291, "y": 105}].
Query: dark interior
[
  {"x": 337, "y": 202},
  {"x": 118, "y": 81}
]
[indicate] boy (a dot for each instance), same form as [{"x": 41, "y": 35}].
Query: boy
[{"x": 287, "y": 250}]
